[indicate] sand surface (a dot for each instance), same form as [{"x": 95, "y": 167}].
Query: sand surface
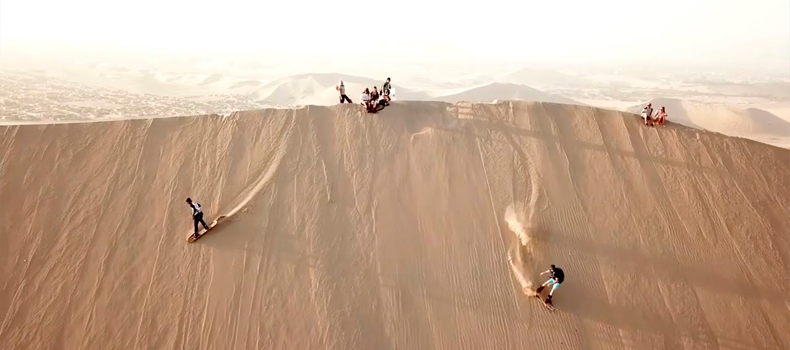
[
  {"x": 401, "y": 230},
  {"x": 751, "y": 123}
]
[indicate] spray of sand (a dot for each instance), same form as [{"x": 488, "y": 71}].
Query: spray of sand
[
  {"x": 522, "y": 254},
  {"x": 515, "y": 225}
]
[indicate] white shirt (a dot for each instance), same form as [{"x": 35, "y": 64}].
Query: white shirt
[{"x": 196, "y": 208}]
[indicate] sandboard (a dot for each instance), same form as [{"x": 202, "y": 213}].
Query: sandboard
[
  {"x": 191, "y": 238},
  {"x": 548, "y": 306}
]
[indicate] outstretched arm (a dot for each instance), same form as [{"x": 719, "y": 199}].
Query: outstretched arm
[{"x": 545, "y": 272}]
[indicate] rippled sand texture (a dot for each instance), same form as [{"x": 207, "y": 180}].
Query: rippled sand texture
[{"x": 400, "y": 230}]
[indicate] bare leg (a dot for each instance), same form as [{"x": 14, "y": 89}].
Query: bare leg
[
  {"x": 551, "y": 293},
  {"x": 540, "y": 289}
]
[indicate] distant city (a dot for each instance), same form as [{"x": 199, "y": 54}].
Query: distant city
[{"x": 32, "y": 97}]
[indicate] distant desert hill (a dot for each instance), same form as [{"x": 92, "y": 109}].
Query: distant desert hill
[
  {"x": 776, "y": 90},
  {"x": 544, "y": 78},
  {"x": 506, "y": 92},
  {"x": 319, "y": 89},
  {"x": 749, "y": 123},
  {"x": 424, "y": 226},
  {"x": 244, "y": 83},
  {"x": 154, "y": 82}
]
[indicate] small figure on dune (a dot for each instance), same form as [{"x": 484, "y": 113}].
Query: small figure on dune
[
  {"x": 365, "y": 98},
  {"x": 376, "y": 100},
  {"x": 385, "y": 89},
  {"x": 647, "y": 113},
  {"x": 556, "y": 278},
  {"x": 342, "y": 89},
  {"x": 375, "y": 94},
  {"x": 661, "y": 116},
  {"x": 382, "y": 102},
  {"x": 385, "y": 94},
  {"x": 197, "y": 215}
]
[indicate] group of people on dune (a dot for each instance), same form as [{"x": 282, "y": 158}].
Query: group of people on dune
[
  {"x": 373, "y": 101},
  {"x": 659, "y": 118}
]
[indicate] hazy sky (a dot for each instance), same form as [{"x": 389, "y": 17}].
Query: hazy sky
[{"x": 749, "y": 33}]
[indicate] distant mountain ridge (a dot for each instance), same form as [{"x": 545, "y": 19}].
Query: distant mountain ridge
[
  {"x": 319, "y": 89},
  {"x": 507, "y": 91}
]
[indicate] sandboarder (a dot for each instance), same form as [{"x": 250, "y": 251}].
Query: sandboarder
[
  {"x": 197, "y": 215},
  {"x": 556, "y": 278}
]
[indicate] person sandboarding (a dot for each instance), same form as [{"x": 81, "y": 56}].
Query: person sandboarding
[
  {"x": 557, "y": 276},
  {"x": 197, "y": 216}
]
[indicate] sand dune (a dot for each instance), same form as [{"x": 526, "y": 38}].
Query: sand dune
[
  {"x": 401, "y": 230},
  {"x": 752, "y": 123},
  {"x": 504, "y": 91}
]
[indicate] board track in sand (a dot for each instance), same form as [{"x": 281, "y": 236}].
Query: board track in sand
[{"x": 391, "y": 231}]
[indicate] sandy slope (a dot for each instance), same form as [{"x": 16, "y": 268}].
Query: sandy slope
[{"x": 392, "y": 231}]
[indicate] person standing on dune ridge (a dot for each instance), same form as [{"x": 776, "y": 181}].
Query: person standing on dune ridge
[
  {"x": 343, "y": 97},
  {"x": 197, "y": 215},
  {"x": 385, "y": 89}
]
